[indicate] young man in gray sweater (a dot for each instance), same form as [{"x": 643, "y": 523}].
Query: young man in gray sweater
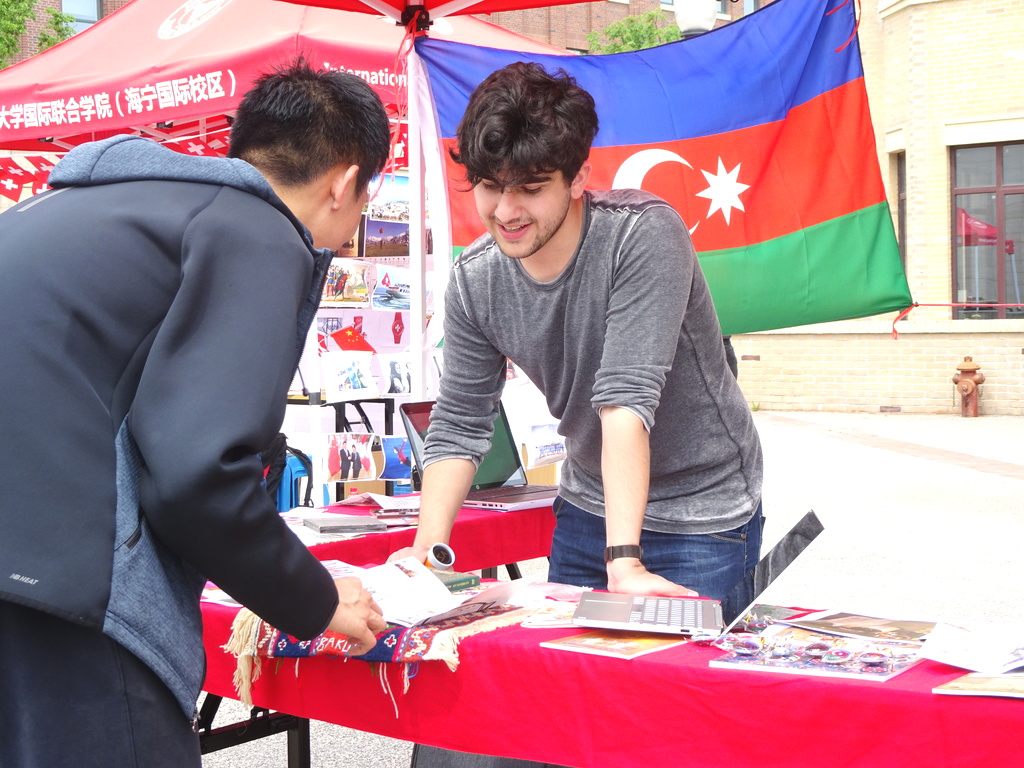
[{"x": 598, "y": 297}]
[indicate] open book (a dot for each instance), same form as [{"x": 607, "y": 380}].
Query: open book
[{"x": 409, "y": 594}]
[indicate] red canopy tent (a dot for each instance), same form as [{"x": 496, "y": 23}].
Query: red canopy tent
[
  {"x": 405, "y": 10},
  {"x": 972, "y": 231},
  {"x": 175, "y": 69},
  {"x": 172, "y": 69}
]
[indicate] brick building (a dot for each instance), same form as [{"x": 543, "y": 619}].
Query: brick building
[
  {"x": 86, "y": 12},
  {"x": 949, "y": 126},
  {"x": 566, "y": 26}
]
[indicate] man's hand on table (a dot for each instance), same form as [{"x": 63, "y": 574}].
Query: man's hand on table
[
  {"x": 358, "y": 616},
  {"x": 628, "y": 575}
]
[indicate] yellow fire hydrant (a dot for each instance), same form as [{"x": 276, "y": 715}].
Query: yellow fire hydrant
[{"x": 968, "y": 381}]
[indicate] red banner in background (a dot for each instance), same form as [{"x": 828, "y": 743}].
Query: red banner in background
[{"x": 24, "y": 175}]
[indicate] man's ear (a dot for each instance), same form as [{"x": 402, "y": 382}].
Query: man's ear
[
  {"x": 580, "y": 182},
  {"x": 343, "y": 185}
]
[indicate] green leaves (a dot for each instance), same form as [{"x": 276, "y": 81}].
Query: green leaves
[{"x": 634, "y": 33}]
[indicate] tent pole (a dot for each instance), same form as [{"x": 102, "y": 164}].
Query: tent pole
[
  {"x": 417, "y": 245},
  {"x": 384, "y": 9},
  {"x": 450, "y": 8}
]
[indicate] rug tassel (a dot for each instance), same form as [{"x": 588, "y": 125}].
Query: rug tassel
[
  {"x": 385, "y": 685},
  {"x": 445, "y": 646},
  {"x": 242, "y": 645}
]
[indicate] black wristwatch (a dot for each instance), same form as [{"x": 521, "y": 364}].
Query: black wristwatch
[{"x": 625, "y": 550}]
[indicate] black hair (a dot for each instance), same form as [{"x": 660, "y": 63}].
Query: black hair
[
  {"x": 297, "y": 123},
  {"x": 522, "y": 121}
]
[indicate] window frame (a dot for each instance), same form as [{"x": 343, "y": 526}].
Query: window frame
[{"x": 999, "y": 191}]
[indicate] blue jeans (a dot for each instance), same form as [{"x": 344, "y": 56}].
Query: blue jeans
[{"x": 711, "y": 564}]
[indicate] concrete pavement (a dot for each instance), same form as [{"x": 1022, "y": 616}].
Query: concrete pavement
[{"x": 923, "y": 515}]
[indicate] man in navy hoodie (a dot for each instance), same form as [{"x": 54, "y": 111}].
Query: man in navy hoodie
[{"x": 153, "y": 308}]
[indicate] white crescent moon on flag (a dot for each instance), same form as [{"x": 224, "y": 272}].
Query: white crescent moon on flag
[{"x": 634, "y": 169}]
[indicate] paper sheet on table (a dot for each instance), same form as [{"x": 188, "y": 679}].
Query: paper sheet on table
[
  {"x": 382, "y": 501},
  {"x": 992, "y": 649}
]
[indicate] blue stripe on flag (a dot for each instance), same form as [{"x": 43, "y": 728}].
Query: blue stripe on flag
[{"x": 750, "y": 72}]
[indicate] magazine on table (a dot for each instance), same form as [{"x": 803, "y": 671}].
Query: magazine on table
[
  {"x": 786, "y": 649},
  {"x": 615, "y": 643},
  {"x": 1008, "y": 685},
  {"x": 870, "y": 627}
]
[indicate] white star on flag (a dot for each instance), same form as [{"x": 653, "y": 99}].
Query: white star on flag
[{"x": 724, "y": 190}]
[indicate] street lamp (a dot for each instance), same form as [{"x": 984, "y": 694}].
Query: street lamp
[{"x": 694, "y": 17}]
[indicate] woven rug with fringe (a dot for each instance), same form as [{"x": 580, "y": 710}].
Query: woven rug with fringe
[{"x": 253, "y": 640}]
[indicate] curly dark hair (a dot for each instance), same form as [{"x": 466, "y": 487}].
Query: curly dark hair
[{"x": 521, "y": 122}]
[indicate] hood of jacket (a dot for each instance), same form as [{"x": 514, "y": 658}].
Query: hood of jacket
[{"x": 134, "y": 158}]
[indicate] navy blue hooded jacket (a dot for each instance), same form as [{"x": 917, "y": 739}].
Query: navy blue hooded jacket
[{"x": 152, "y": 309}]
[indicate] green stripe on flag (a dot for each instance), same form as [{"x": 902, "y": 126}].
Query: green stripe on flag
[{"x": 844, "y": 268}]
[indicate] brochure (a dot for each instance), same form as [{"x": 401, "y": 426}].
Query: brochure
[{"x": 797, "y": 651}]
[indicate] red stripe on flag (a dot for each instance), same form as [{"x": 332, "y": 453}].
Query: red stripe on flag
[{"x": 817, "y": 164}]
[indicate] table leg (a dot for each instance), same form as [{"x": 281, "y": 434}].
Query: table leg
[{"x": 261, "y": 723}]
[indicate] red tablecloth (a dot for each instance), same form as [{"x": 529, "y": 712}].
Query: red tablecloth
[
  {"x": 511, "y": 697},
  {"x": 481, "y": 538}
]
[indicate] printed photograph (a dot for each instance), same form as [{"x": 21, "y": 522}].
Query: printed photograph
[
  {"x": 349, "y": 456},
  {"x": 347, "y": 376},
  {"x": 386, "y": 239},
  {"x": 346, "y": 284},
  {"x": 397, "y": 458}
]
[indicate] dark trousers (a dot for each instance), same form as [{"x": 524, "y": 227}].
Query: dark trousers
[{"x": 70, "y": 696}]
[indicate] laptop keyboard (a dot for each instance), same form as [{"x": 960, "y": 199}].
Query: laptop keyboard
[
  {"x": 506, "y": 491},
  {"x": 665, "y": 612}
]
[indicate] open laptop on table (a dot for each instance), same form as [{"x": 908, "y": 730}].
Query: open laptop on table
[
  {"x": 500, "y": 480},
  {"x": 693, "y": 615}
]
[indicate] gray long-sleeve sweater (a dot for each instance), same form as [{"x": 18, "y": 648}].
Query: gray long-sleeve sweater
[{"x": 630, "y": 322}]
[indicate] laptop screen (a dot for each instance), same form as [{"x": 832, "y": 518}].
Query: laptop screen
[{"x": 499, "y": 467}]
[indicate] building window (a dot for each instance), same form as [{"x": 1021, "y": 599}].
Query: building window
[
  {"x": 749, "y": 6},
  {"x": 988, "y": 230},
  {"x": 86, "y": 12},
  {"x": 901, "y": 206}
]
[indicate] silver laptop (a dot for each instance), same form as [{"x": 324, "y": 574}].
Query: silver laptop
[
  {"x": 500, "y": 480},
  {"x": 694, "y": 615}
]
